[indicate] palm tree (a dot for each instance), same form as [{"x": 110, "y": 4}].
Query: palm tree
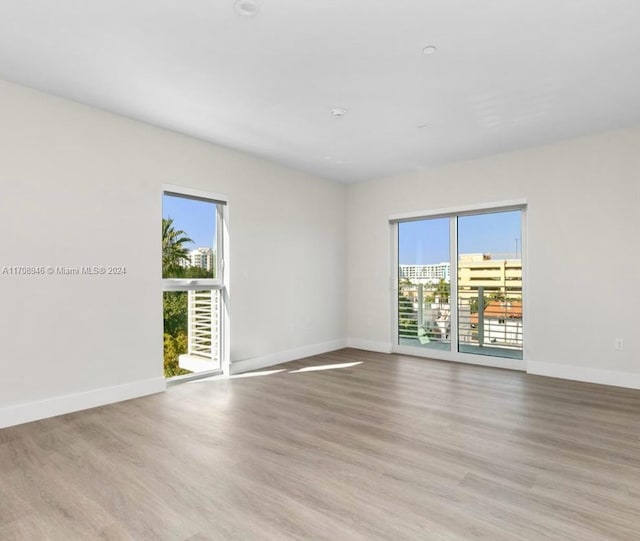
[{"x": 173, "y": 249}]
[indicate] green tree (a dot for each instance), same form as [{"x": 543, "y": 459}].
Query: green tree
[
  {"x": 174, "y": 346},
  {"x": 173, "y": 247},
  {"x": 175, "y": 331},
  {"x": 442, "y": 290},
  {"x": 199, "y": 272},
  {"x": 473, "y": 303},
  {"x": 190, "y": 272},
  {"x": 175, "y": 311},
  {"x": 174, "y": 252},
  {"x": 498, "y": 296},
  {"x": 489, "y": 297}
]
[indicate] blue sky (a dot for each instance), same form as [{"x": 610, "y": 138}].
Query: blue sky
[
  {"x": 427, "y": 241},
  {"x": 196, "y": 218}
]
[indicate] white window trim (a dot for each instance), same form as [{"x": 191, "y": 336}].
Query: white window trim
[
  {"x": 195, "y": 192},
  {"x": 182, "y": 284},
  {"x": 497, "y": 206}
]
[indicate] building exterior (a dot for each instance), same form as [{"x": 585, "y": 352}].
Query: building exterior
[
  {"x": 502, "y": 324},
  {"x": 495, "y": 276},
  {"x": 202, "y": 258},
  {"x": 474, "y": 270},
  {"x": 425, "y": 274}
]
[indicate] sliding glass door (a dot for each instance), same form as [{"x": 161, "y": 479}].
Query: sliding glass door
[{"x": 459, "y": 284}]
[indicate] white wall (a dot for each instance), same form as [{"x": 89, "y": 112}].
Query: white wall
[
  {"x": 83, "y": 187},
  {"x": 583, "y": 248}
]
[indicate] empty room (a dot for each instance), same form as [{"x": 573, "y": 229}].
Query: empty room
[{"x": 282, "y": 270}]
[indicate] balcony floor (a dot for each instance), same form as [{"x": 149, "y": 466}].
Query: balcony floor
[
  {"x": 197, "y": 364},
  {"x": 492, "y": 351}
]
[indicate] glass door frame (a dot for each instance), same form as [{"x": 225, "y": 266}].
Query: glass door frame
[
  {"x": 452, "y": 214},
  {"x": 219, "y": 283}
]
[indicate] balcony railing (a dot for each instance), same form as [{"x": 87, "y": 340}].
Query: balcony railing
[
  {"x": 425, "y": 315},
  {"x": 203, "y": 331}
]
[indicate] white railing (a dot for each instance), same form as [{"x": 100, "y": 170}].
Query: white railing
[
  {"x": 203, "y": 324},
  {"x": 425, "y": 315}
]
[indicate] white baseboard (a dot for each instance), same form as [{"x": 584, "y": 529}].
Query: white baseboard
[
  {"x": 33, "y": 411},
  {"x": 581, "y": 373},
  {"x": 256, "y": 363},
  {"x": 462, "y": 358},
  {"x": 369, "y": 345}
]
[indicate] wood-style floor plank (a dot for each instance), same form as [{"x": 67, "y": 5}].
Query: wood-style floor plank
[{"x": 392, "y": 447}]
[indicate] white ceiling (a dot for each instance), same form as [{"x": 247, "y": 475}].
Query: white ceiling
[{"x": 507, "y": 74}]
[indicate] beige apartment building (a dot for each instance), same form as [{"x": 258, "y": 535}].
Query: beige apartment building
[{"x": 494, "y": 275}]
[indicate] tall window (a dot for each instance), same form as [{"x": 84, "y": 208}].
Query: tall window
[
  {"x": 193, "y": 283},
  {"x": 459, "y": 280}
]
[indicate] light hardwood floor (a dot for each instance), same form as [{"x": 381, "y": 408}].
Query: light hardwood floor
[{"x": 392, "y": 448}]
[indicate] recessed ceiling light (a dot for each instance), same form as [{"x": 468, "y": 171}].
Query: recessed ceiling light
[
  {"x": 429, "y": 49},
  {"x": 338, "y": 112},
  {"x": 246, "y": 8}
]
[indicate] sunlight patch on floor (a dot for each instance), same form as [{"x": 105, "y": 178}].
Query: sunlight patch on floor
[
  {"x": 255, "y": 374},
  {"x": 325, "y": 367}
]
